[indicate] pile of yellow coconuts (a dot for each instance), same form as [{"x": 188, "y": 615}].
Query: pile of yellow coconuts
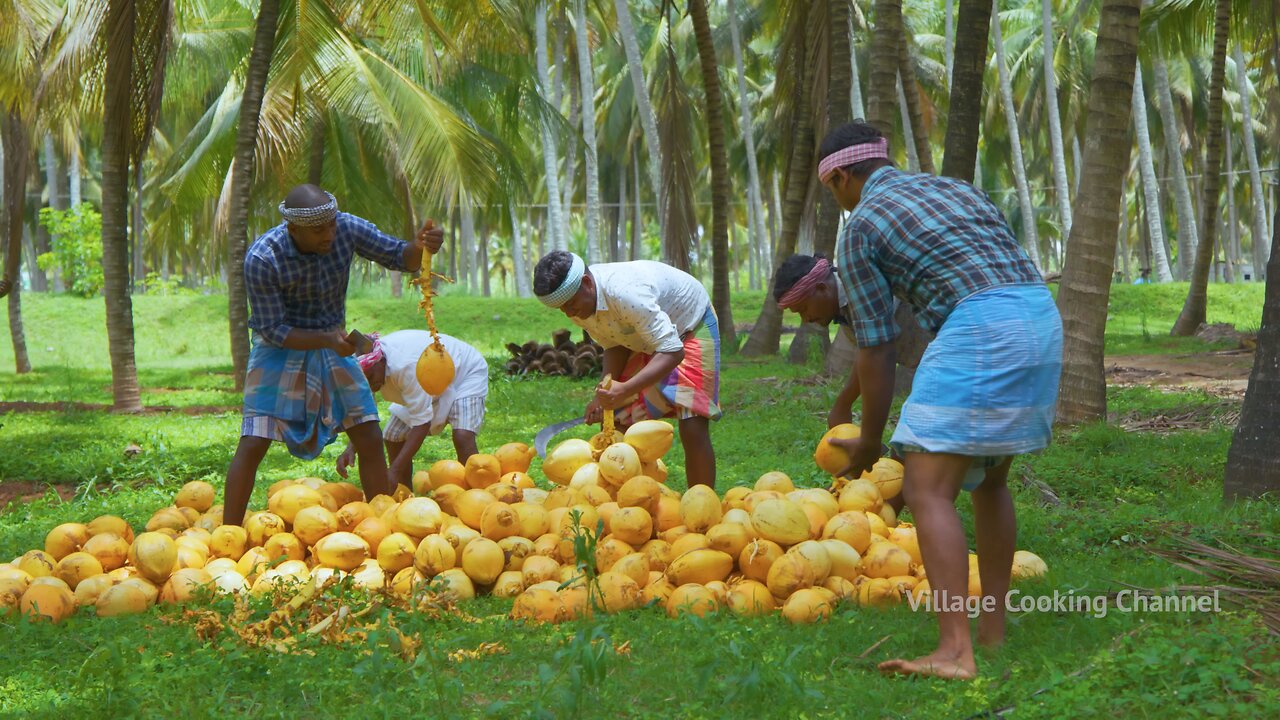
[{"x": 610, "y": 536}]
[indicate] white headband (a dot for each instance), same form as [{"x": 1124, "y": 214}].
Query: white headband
[
  {"x": 312, "y": 216},
  {"x": 568, "y": 288}
]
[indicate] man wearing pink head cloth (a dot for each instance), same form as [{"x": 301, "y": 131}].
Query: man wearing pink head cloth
[
  {"x": 986, "y": 386},
  {"x": 391, "y": 369}
]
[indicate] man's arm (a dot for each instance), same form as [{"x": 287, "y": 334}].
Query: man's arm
[
  {"x": 401, "y": 468},
  {"x": 842, "y": 409},
  {"x": 389, "y": 252}
]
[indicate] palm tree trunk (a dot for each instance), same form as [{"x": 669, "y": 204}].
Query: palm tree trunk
[
  {"x": 1086, "y": 276},
  {"x": 766, "y": 335},
  {"x": 620, "y": 228},
  {"x": 556, "y": 225},
  {"x": 1231, "y": 239},
  {"x": 17, "y": 159},
  {"x": 315, "y": 161},
  {"x": 138, "y": 232},
  {"x": 964, "y": 119},
  {"x": 588, "y": 85},
  {"x": 1196, "y": 306},
  {"x": 571, "y": 155},
  {"x": 1149, "y": 187},
  {"x": 1256, "y": 194},
  {"x": 720, "y": 260},
  {"x": 648, "y": 118},
  {"x": 1187, "y": 234},
  {"x": 908, "y": 129},
  {"x": 483, "y": 263},
  {"x": 1055, "y": 120},
  {"x": 117, "y": 128},
  {"x": 949, "y": 49},
  {"x": 467, "y": 243},
  {"x": 637, "y": 222},
  {"x": 855, "y": 82},
  {"x": 882, "y": 75},
  {"x": 264, "y": 39},
  {"x": 755, "y": 206},
  {"x": 1253, "y": 465},
  {"x": 1123, "y": 238},
  {"x": 1030, "y": 239},
  {"x": 911, "y": 91}
]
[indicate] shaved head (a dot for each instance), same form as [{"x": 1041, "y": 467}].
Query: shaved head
[{"x": 306, "y": 196}]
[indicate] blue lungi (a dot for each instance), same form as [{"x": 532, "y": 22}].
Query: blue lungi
[
  {"x": 988, "y": 383},
  {"x": 304, "y": 398}
]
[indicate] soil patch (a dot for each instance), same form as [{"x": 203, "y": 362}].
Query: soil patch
[
  {"x": 1224, "y": 373},
  {"x": 23, "y": 491}
]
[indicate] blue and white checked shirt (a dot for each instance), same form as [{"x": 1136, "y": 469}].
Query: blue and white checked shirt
[
  {"x": 931, "y": 241},
  {"x": 288, "y": 289}
]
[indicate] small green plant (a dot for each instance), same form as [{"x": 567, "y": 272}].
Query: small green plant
[
  {"x": 77, "y": 248},
  {"x": 157, "y": 285}
]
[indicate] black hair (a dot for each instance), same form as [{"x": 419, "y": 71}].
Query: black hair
[
  {"x": 306, "y": 196},
  {"x": 551, "y": 271},
  {"x": 792, "y": 269},
  {"x": 857, "y": 132}
]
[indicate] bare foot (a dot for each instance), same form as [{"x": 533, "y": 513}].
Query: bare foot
[
  {"x": 947, "y": 668},
  {"x": 990, "y": 637}
]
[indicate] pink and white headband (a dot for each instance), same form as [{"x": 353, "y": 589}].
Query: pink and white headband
[
  {"x": 852, "y": 155},
  {"x": 805, "y": 286},
  {"x": 372, "y": 357}
]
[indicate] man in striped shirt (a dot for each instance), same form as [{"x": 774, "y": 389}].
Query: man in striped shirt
[
  {"x": 986, "y": 387},
  {"x": 303, "y": 386}
]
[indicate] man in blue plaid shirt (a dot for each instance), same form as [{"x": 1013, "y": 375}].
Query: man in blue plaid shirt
[
  {"x": 986, "y": 386},
  {"x": 303, "y": 386}
]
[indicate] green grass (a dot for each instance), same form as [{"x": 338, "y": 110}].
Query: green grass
[{"x": 1121, "y": 493}]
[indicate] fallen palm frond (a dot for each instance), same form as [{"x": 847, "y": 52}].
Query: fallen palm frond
[{"x": 1247, "y": 576}]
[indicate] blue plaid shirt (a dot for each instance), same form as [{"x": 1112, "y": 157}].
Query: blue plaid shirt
[
  {"x": 288, "y": 289},
  {"x": 931, "y": 241}
]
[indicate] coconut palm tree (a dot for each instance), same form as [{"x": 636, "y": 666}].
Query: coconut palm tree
[
  {"x": 755, "y": 204},
  {"x": 1150, "y": 188},
  {"x": 1055, "y": 120},
  {"x": 1086, "y": 276},
  {"x": 719, "y": 174},
  {"x": 1196, "y": 306},
  {"x": 557, "y": 224},
  {"x": 648, "y": 118},
  {"x": 264, "y": 39},
  {"x": 1256, "y": 196},
  {"x": 965, "y": 75},
  {"x": 1188, "y": 235},
  {"x": 1253, "y": 467},
  {"x": 586, "y": 82},
  {"x": 1027, "y": 212},
  {"x": 883, "y": 69}
]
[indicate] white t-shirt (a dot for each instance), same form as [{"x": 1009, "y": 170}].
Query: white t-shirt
[
  {"x": 644, "y": 306},
  {"x": 409, "y": 402}
]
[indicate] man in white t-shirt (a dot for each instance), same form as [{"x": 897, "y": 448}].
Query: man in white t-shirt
[
  {"x": 391, "y": 368},
  {"x": 661, "y": 344}
]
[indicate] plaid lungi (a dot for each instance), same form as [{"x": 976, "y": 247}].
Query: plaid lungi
[
  {"x": 304, "y": 398},
  {"x": 988, "y": 384},
  {"x": 693, "y": 387}
]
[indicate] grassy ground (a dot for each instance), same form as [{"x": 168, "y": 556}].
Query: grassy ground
[{"x": 1121, "y": 493}]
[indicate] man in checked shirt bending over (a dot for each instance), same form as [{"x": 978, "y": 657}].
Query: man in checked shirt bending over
[{"x": 303, "y": 384}]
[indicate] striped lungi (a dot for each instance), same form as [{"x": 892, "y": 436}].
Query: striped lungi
[
  {"x": 465, "y": 414},
  {"x": 304, "y": 398},
  {"x": 988, "y": 383},
  {"x": 693, "y": 387}
]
